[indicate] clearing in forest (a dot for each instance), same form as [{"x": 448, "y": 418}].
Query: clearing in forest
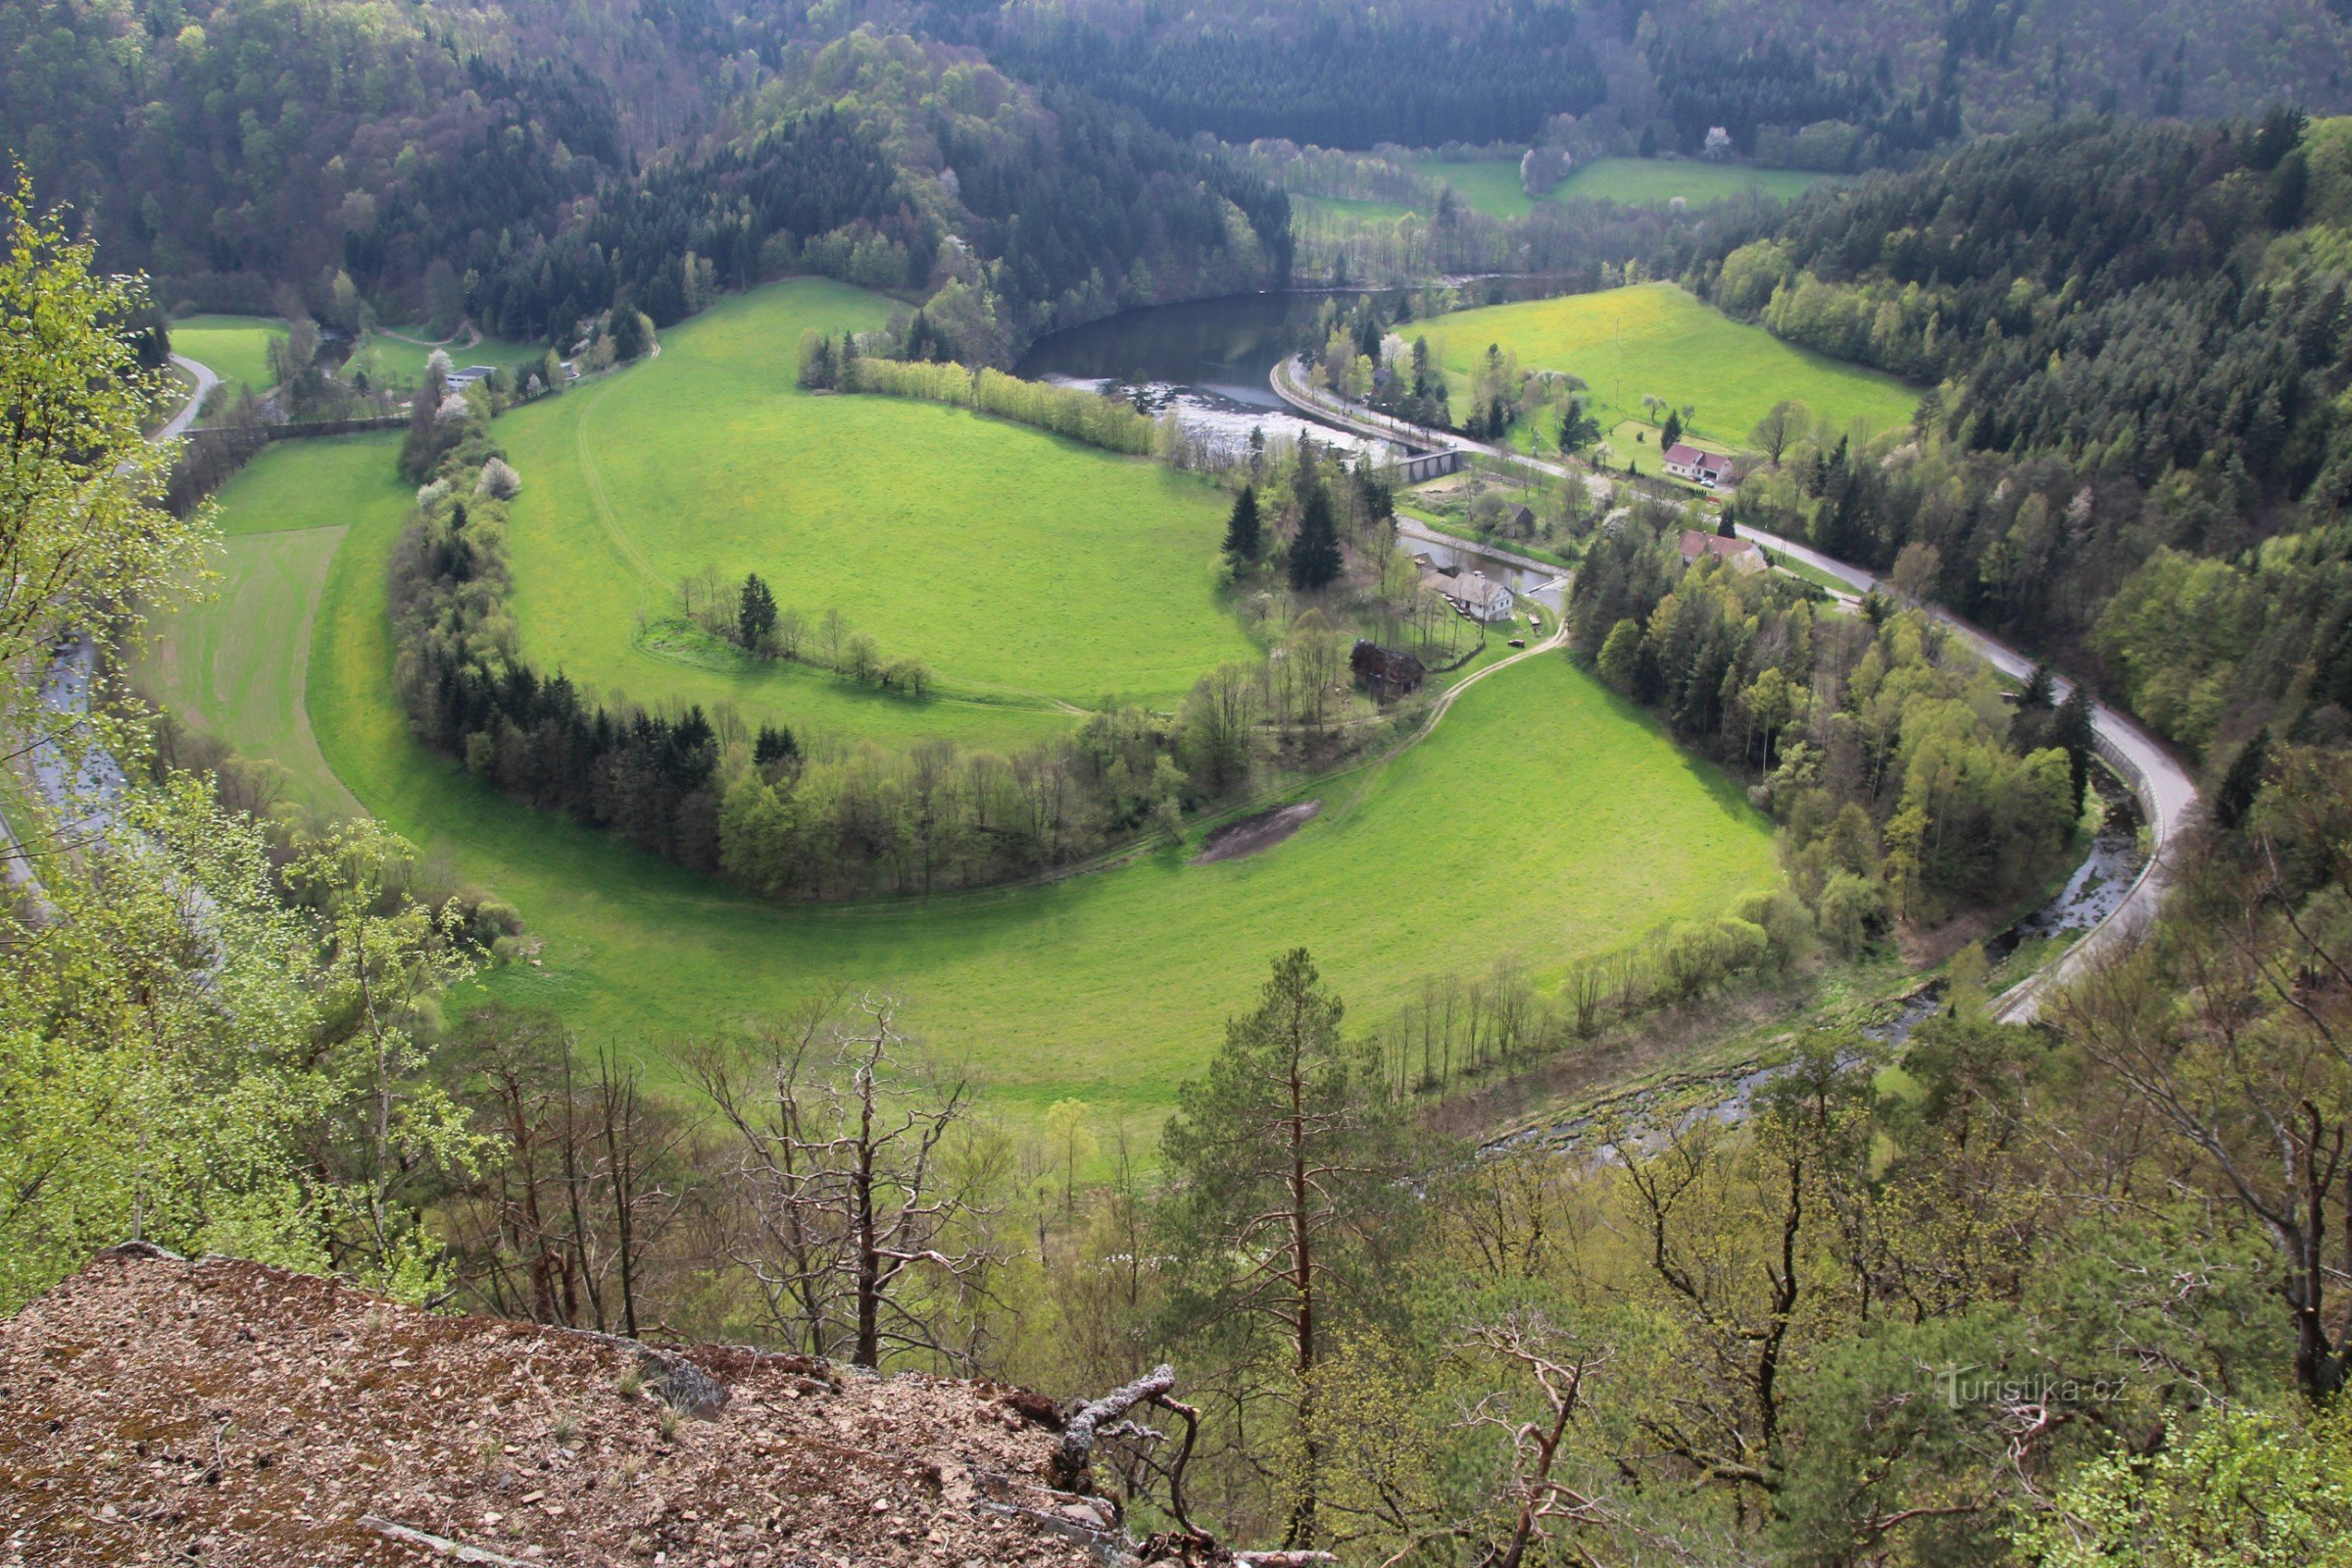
[
  {"x": 1657, "y": 339},
  {"x": 1025, "y": 570},
  {"x": 1491, "y": 185}
]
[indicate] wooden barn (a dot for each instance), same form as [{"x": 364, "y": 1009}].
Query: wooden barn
[{"x": 1387, "y": 673}]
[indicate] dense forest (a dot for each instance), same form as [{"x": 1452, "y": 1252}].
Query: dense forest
[
  {"x": 2140, "y": 343},
  {"x": 1896, "y": 77},
  {"x": 322, "y": 160}
]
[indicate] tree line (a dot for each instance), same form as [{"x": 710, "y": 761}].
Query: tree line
[{"x": 1096, "y": 419}]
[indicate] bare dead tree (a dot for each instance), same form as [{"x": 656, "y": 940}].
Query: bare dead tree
[
  {"x": 1556, "y": 1364},
  {"x": 852, "y": 1220}
]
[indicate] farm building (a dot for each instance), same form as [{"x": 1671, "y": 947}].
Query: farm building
[
  {"x": 1472, "y": 593},
  {"x": 1709, "y": 469},
  {"x": 1741, "y": 555},
  {"x": 1387, "y": 673}
]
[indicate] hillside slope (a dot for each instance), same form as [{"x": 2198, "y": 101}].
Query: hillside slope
[{"x": 152, "y": 1407}]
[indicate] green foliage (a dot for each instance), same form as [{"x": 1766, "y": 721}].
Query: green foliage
[
  {"x": 1109, "y": 422},
  {"x": 1950, "y": 805},
  {"x": 79, "y": 534},
  {"x": 2239, "y": 1489}
]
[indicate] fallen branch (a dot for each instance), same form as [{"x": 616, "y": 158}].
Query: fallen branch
[
  {"x": 439, "y": 1546},
  {"x": 1077, "y": 1449}
]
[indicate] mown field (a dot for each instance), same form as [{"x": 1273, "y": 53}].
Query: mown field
[
  {"x": 1655, "y": 182},
  {"x": 236, "y": 348},
  {"x": 1656, "y": 338},
  {"x": 234, "y": 658},
  {"x": 1026, "y": 570}
]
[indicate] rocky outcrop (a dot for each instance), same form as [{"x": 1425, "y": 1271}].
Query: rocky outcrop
[{"x": 153, "y": 1409}]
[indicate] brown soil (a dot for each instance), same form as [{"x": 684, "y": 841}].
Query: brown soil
[
  {"x": 221, "y": 1412},
  {"x": 1254, "y": 835}
]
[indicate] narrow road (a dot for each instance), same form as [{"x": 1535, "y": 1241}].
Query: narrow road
[
  {"x": 2166, "y": 790},
  {"x": 206, "y": 380}
]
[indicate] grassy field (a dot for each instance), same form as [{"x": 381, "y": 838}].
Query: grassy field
[
  {"x": 1026, "y": 570},
  {"x": 235, "y": 347},
  {"x": 397, "y": 362},
  {"x": 1656, "y": 338},
  {"x": 1491, "y": 185},
  {"x": 234, "y": 663},
  {"x": 1655, "y": 182},
  {"x": 1544, "y": 818}
]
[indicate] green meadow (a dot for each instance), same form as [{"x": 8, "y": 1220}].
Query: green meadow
[
  {"x": 1544, "y": 821},
  {"x": 233, "y": 657},
  {"x": 1655, "y": 182},
  {"x": 236, "y": 348},
  {"x": 1659, "y": 340},
  {"x": 1544, "y": 818},
  {"x": 1028, "y": 572},
  {"x": 1491, "y": 185}
]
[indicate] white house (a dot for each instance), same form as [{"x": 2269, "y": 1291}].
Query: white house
[
  {"x": 1707, "y": 470},
  {"x": 1472, "y": 593}
]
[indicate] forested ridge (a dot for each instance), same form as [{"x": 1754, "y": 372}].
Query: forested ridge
[
  {"x": 2139, "y": 347},
  {"x": 323, "y": 158}
]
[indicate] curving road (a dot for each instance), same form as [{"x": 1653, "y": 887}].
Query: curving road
[
  {"x": 2164, "y": 787},
  {"x": 206, "y": 380}
]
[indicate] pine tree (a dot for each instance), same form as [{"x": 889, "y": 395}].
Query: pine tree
[
  {"x": 1287, "y": 1155},
  {"x": 1672, "y": 431},
  {"x": 775, "y": 744},
  {"x": 1242, "y": 536},
  {"x": 756, "y": 615},
  {"x": 1316, "y": 552}
]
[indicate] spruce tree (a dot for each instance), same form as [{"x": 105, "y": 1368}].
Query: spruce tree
[
  {"x": 1316, "y": 552},
  {"x": 2072, "y": 729},
  {"x": 1242, "y": 536},
  {"x": 1672, "y": 431},
  {"x": 756, "y": 613}
]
